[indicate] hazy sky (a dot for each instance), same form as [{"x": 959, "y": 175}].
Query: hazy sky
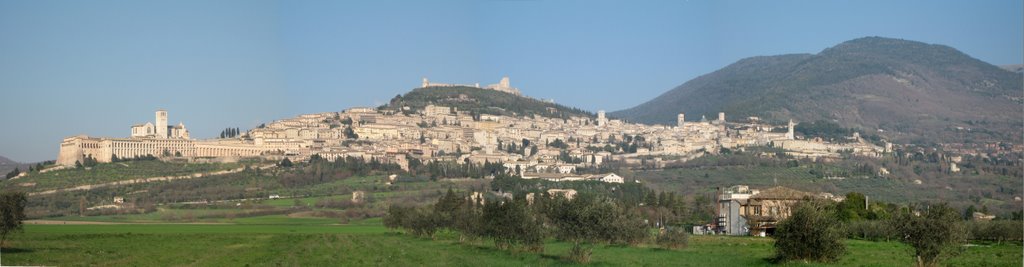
[{"x": 97, "y": 67}]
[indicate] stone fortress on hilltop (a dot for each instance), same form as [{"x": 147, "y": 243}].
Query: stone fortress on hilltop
[
  {"x": 501, "y": 86},
  {"x": 537, "y": 147}
]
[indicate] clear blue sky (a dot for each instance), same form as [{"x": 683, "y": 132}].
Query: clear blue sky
[{"x": 97, "y": 67}]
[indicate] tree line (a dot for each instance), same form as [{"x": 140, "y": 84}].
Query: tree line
[
  {"x": 521, "y": 224},
  {"x": 230, "y": 133},
  {"x": 816, "y": 229}
]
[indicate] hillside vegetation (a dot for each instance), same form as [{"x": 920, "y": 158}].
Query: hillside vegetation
[
  {"x": 481, "y": 101},
  {"x": 912, "y": 91},
  {"x": 110, "y": 172}
]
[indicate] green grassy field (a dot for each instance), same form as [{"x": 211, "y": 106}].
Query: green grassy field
[
  {"x": 240, "y": 226},
  {"x": 280, "y": 240}
]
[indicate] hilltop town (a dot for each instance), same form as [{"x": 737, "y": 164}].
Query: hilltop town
[{"x": 550, "y": 146}]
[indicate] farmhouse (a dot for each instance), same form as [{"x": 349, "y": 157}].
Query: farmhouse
[{"x": 743, "y": 211}]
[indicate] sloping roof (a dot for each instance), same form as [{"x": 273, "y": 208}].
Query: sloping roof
[
  {"x": 780, "y": 192},
  {"x": 599, "y": 176},
  {"x": 551, "y": 175}
]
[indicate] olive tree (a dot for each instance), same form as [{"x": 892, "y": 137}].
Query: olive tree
[
  {"x": 811, "y": 233},
  {"x": 12, "y": 213},
  {"x": 586, "y": 220},
  {"x": 934, "y": 232},
  {"x": 511, "y": 223}
]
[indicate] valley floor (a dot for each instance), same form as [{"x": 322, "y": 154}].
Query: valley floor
[{"x": 277, "y": 240}]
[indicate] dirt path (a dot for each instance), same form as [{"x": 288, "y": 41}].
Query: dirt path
[
  {"x": 66, "y": 222},
  {"x": 145, "y": 180},
  {"x": 55, "y": 222}
]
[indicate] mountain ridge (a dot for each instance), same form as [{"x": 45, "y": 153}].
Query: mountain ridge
[{"x": 911, "y": 91}]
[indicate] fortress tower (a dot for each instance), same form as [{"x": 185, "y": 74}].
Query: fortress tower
[
  {"x": 161, "y": 124},
  {"x": 601, "y": 119},
  {"x": 721, "y": 117},
  {"x": 680, "y": 119},
  {"x": 504, "y": 83}
]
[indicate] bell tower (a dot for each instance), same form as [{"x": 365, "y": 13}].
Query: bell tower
[
  {"x": 161, "y": 124},
  {"x": 789, "y": 132}
]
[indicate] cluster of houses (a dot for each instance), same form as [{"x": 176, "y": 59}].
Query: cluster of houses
[{"x": 530, "y": 146}]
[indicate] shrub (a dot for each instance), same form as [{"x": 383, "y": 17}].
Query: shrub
[
  {"x": 396, "y": 216},
  {"x": 810, "y": 233},
  {"x": 673, "y": 238},
  {"x": 997, "y": 231},
  {"x": 870, "y": 230},
  {"x": 418, "y": 220},
  {"x": 423, "y": 222}
]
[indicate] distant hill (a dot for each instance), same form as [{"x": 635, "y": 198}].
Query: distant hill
[
  {"x": 914, "y": 92},
  {"x": 7, "y": 165},
  {"x": 481, "y": 101},
  {"x": 4, "y": 161},
  {"x": 1018, "y": 68}
]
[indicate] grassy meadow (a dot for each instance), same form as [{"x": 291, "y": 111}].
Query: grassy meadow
[
  {"x": 228, "y": 220},
  {"x": 282, "y": 240}
]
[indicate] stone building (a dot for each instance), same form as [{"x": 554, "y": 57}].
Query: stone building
[
  {"x": 763, "y": 211},
  {"x": 743, "y": 211},
  {"x": 502, "y": 86},
  {"x": 160, "y": 129},
  {"x": 149, "y": 140}
]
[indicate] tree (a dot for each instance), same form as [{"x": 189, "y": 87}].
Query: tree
[
  {"x": 558, "y": 143},
  {"x": 933, "y": 233},
  {"x": 421, "y": 221},
  {"x": 350, "y": 134},
  {"x": 969, "y": 212},
  {"x": 15, "y": 172},
  {"x": 810, "y": 233},
  {"x": 285, "y": 163},
  {"x": 395, "y": 216},
  {"x": 467, "y": 220},
  {"x": 12, "y": 213},
  {"x": 446, "y": 208},
  {"x": 589, "y": 219},
  {"x": 852, "y": 207},
  {"x": 510, "y": 223}
]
